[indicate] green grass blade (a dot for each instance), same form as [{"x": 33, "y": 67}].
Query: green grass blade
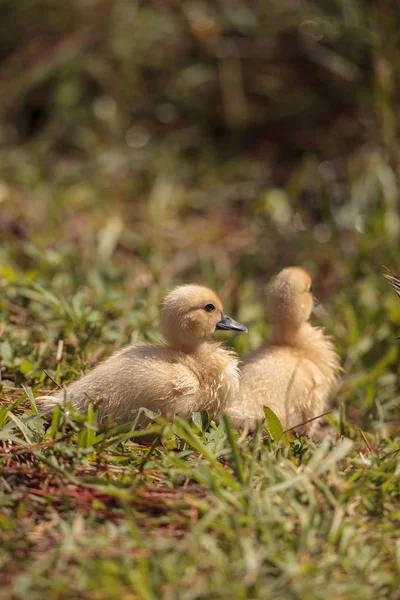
[
  {"x": 55, "y": 422},
  {"x": 237, "y": 459}
]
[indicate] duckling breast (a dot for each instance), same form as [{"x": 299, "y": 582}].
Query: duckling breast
[{"x": 218, "y": 374}]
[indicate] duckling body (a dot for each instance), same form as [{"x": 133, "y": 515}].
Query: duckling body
[
  {"x": 295, "y": 373},
  {"x": 187, "y": 374}
]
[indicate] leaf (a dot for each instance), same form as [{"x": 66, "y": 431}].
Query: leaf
[
  {"x": 6, "y": 353},
  {"x": 91, "y": 425},
  {"x": 8, "y": 273},
  {"x": 237, "y": 459},
  {"x": 273, "y": 423},
  {"x": 3, "y": 415},
  {"x": 29, "y": 394},
  {"x": 21, "y": 426},
  {"x": 182, "y": 429},
  {"x": 26, "y": 366},
  {"x": 201, "y": 420},
  {"x": 55, "y": 421}
]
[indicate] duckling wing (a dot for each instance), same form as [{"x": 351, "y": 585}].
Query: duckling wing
[
  {"x": 140, "y": 376},
  {"x": 158, "y": 384}
]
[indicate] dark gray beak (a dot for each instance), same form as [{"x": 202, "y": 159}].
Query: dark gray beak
[
  {"x": 228, "y": 323},
  {"x": 316, "y": 302}
]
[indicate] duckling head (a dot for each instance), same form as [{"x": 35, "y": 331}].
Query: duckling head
[
  {"x": 289, "y": 302},
  {"x": 190, "y": 313}
]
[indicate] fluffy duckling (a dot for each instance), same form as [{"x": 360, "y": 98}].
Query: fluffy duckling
[
  {"x": 187, "y": 374},
  {"x": 294, "y": 374}
]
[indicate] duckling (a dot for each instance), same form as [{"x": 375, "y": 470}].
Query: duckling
[
  {"x": 189, "y": 373},
  {"x": 295, "y": 373}
]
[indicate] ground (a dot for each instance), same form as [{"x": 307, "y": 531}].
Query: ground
[{"x": 147, "y": 145}]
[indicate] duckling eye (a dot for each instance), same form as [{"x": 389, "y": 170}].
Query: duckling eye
[
  {"x": 310, "y": 289},
  {"x": 209, "y": 307}
]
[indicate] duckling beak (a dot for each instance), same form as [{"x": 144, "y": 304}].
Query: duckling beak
[
  {"x": 316, "y": 302},
  {"x": 228, "y": 323}
]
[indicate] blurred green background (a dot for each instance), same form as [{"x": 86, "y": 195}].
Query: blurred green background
[{"x": 149, "y": 143}]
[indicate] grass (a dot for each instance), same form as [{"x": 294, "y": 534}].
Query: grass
[
  {"x": 142, "y": 146},
  {"x": 200, "y": 513}
]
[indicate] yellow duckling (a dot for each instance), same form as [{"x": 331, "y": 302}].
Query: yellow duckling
[
  {"x": 187, "y": 374},
  {"x": 294, "y": 374}
]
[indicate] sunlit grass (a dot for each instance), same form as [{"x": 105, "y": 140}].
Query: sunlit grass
[
  {"x": 201, "y": 511},
  {"x": 148, "y": 144}
]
